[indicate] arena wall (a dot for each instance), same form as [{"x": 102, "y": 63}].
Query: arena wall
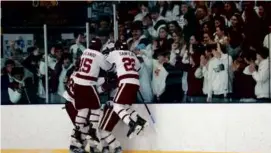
[{"x": 184, "y": 128}]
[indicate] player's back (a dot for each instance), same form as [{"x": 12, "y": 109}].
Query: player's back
[
  {"x": 90, "y": 63},
  {"x": 127, "y": 66}
]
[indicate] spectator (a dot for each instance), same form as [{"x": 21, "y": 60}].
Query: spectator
[
  {"x": 138, "y": 44},
  {"x": 157, "y": 21},
  {"x": 219, "y": 75},
  {"x": 251, "y": 26},
  {"x": 229, "y": 9},
  {"x": 174, "y": 27},
  {"x": 267, "y": 40},
  {"x": 54, "y": 57},
  {"x": 184, "y": 9},
  {"x": 220, "y": 36},
  {"x": 6, "y": 79},
  {"x": 137, "y": 36},
  {"x": 264, "y": 19},
  {"x": 195, "y": 85},
  {"x": 164, "y": 10},
  {"x": 243, "y": 83},
  {"x": 144, "y": 10},
  {"x": 61, "y": 69},
  {"x": 16, "y": 88},
  {"x": 207, "y": 27},
  {"x": 219, "y": 21},
  {"x": 207, "y": 39},
  {"x": 202, "y": 14},
  {"x": 159, "y": 74},
  {"x": 202, "y": 70},
  {"x": 173, "y": 91},
  {"x": 77, "y": 48},
  {"x": 262, "y": 75},
  {"x": 185, "y": 54},
  {"x": 235, "y": 35}
]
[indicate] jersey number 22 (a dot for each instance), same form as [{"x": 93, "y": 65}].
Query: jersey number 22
[{"x": 129, "y": 64}]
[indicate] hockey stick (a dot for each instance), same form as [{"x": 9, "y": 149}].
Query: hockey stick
[{"x": 146, "y": 106}]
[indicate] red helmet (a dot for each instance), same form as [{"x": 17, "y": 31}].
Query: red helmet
[{"x": 95, "y": 44}]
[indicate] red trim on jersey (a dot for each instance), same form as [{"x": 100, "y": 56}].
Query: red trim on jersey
[
  {"x": 128, "y": 76},
  {"x": 86, "y": 77}
]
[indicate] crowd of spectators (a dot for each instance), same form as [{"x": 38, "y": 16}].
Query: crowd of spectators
[{"x": 190, "y": 52}]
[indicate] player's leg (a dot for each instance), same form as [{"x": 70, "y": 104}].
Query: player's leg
[
  {"x": 86, "y": 100},
  {"x": 71, "y": 111},
  {"x": 107, "y": 124},
  {"x": 126, "y": 95},
  {"x": 76, "y": 145}
]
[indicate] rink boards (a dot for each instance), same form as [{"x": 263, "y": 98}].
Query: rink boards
[{"x": 179, "y": 128}]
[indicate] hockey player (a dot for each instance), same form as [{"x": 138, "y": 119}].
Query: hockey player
[
  {"x": 127, "y": 67},
  {"x": 107, "y": 139},
  {"x": 86, "y": 97}
]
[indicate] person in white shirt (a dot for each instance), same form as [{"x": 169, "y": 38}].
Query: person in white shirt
[
  {"x": 267, "y": 40},
  {"x": 219, "y": 75},
  {"x": 202, "y": 71},
  {"x": 262, "y": 75},
  {"x": 61, "y": 71}
]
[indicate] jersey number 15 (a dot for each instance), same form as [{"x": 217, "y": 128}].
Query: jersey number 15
[{"x": 85, "y": 65}]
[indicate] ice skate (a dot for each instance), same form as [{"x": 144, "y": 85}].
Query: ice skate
[
  {"x": 134, "y": 128},
  {"x": 118, "y": 150},
  {"x": 143, "y": 123},
  {"x": 106, "y": 150}
]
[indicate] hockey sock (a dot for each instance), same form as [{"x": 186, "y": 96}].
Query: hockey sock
[
  {"x": 122, "y": 113},
  {"x": 110, "y": 139},
  {"x": 81, "y": 122},
  {"x": 133, "y": 114},
  {"x": 94, "y": 117}
]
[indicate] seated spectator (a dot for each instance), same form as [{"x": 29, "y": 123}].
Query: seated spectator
[{"x": 262, "y": 75}]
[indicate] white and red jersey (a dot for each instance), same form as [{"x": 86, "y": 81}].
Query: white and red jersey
[
  {"x": 69, "y": 93},
  {"x": 90, "y": 64},
  {"x": 127, "y": 66}
]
